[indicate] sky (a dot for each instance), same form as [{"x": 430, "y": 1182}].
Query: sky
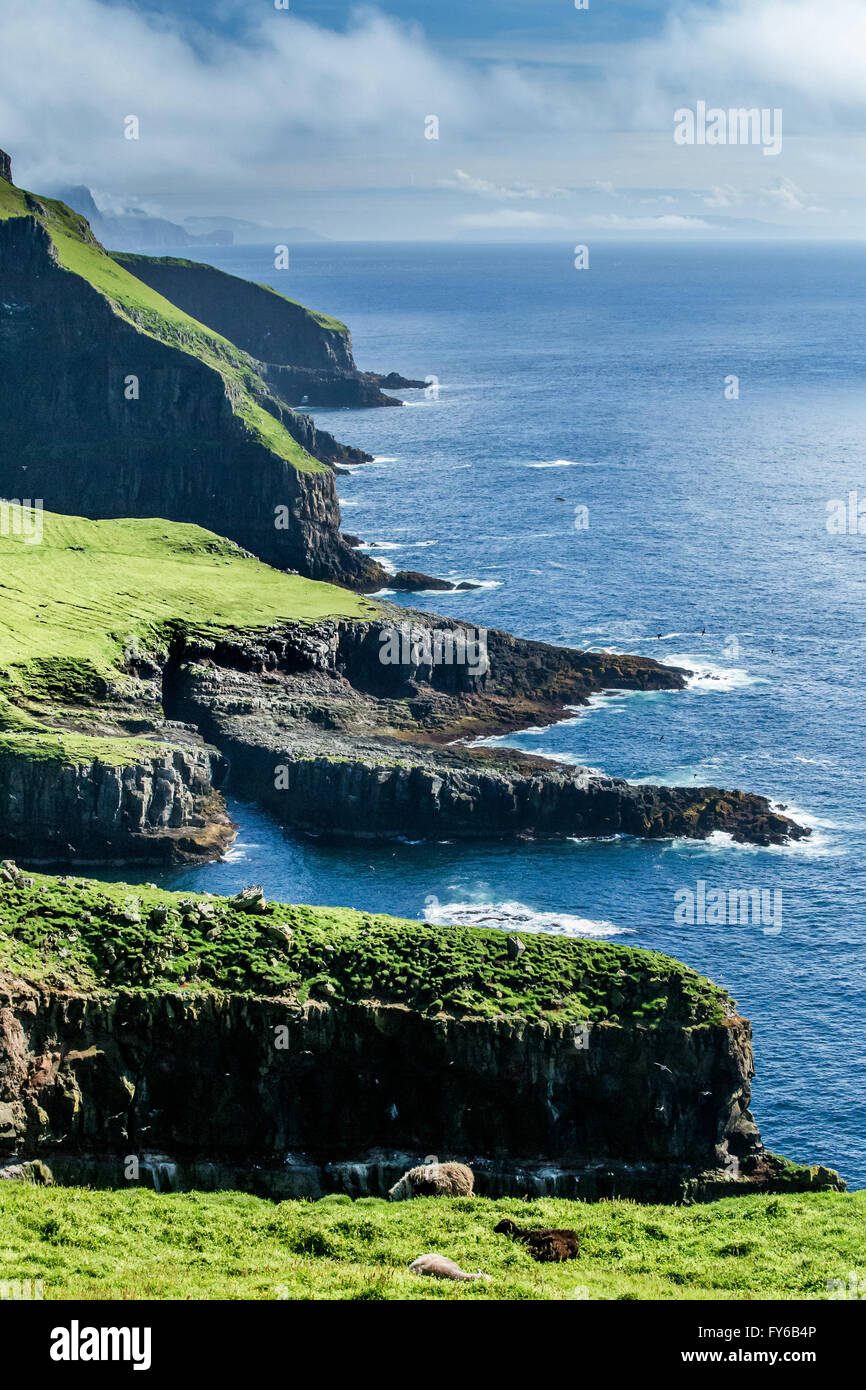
[{"x": 554, "y": 123}]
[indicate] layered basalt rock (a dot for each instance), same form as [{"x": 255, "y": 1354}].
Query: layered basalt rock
[
  {"x": 347, "y": 1102},
  {"x": 331, "y": 739},
  {"x": 163, "y": 806}
]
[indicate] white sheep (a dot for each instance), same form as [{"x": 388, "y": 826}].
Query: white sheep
[
  {"x": 440, "y": 1267},
  {"x": 434, "y": 1180}
]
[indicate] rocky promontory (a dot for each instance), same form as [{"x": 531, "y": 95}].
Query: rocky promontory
[
  {"x": 331, "y": 739},
  {"x": 139, "y": 655},
  {"x": 306, "y": 358}
]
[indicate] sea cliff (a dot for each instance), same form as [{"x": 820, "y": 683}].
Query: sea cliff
[{"x": 293, "y": 1051}]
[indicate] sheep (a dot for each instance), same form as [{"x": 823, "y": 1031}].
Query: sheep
[
  {"x": 440, "y": 1267},
  {"x": 434, "y": 1180},
  {"x": 545, "y": 1245}
]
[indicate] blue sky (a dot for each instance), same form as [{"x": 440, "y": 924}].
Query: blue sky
[
  {"x": 448, "y": 21},
  {"x": 554, "y": 123}
]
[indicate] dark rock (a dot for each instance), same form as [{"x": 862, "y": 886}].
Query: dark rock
[
  {"x": 411, "y": 582},
  {"x": 87, "y": 1080},
  {"x": 395, "y": 382},
  {"x": 369, "y": 749},
  {"x": 5, "y": 167},
  {"x": 164, "y": 807}
]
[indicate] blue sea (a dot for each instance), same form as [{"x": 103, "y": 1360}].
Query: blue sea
[{"x": 706, "y": 546}]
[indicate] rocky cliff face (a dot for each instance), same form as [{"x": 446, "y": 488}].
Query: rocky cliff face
[
  {"x": 347, "y": 1101},
  {"x": 305, "y": 357},
  {"x": 164, "y": 806},
  {"x": 5, "y": 167},
  {"x": 103, "y": 416}
]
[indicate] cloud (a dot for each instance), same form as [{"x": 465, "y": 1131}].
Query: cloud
[
  {"x": 292, "y": 109},
  {"x": 787, "y": 196},
  {"x": 814, "y": 51},
  {"x": 666, "y": 222},
  {"x": 722, "y": 196},
  {"x": 467, "y": 183},
  {"x": 514, "y": 218},
  {"x": 288, "y": 91}
]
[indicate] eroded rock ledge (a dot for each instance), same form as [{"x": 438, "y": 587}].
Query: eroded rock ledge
[
  {"x": 330, "y": 739},
  {"x": 306, "y": 720}
]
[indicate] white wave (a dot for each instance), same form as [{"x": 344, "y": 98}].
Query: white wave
[
  {"x": 383, "y": 545},
  {"x": 515, "y": 916},
  {"x": 707, "y": 676},
  {"x": 384, "y": 458},
  {"x": 561, "y": 463},
  {"x": 469, "y": 579},
  {"x": 815, "y": 846}
]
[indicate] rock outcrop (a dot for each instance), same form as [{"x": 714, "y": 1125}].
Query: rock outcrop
[
  {"x": 5, "y": 167},
  {"x": 164, "y": 806},
  {"x": 322, "y": 1079},
  {"x": 331, "y": 739}
]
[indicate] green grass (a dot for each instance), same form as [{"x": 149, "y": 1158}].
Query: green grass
[
  {"x": 130, "y": 258},
  {"x": 324, "y": 320},
  {"x": 75, "y": 931},
  {"x": 80, "y": 253},
  {"x": 70, "y": 606},
  {"x": 137, "y": 1244}
]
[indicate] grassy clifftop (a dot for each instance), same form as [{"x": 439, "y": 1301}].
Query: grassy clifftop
[
  {"x": 132, "y": 260},
  {"x": 94, "y": 936},
  {"x": 90, "y": 593},
  {"x": 78, "y": 252}
]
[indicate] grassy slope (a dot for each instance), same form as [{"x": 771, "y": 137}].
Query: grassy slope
[
  {"x": 135, "y": 1244},
  {"x": 323, "y": 320},
  {"x": 71, "y": 605},
  {"x": 82, "y": 255},
  {"x": 337, "y": 954}
]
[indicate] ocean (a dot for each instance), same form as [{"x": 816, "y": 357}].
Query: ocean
[{"x": 584, "y": 454}]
